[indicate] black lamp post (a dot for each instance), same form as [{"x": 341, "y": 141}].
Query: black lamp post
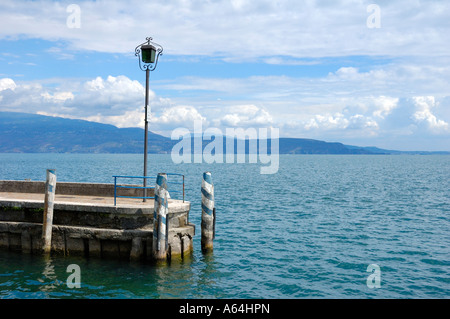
[{"x": 149, "y": 52}]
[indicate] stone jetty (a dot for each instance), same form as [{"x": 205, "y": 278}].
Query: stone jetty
[{"x": 86, "y": 222}]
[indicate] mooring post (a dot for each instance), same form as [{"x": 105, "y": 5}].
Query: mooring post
[
  {"x": 50, "y": 187},
  {"x": 208, "y": 213},
  {"x": 160, "y": 232}
]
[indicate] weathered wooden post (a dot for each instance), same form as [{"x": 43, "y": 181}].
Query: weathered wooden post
[
  {"x": 208, "y": 213},
  {"x": 160, "y": 222},
  {"x": 50, "y": 188}
]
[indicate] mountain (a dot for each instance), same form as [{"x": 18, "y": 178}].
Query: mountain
[
  {"x": 376, "y": 150},
  {"x": 308, "y": 146},
  {"x": 32, "y": 133}
]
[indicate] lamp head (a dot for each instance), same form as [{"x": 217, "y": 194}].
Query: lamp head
[{"x": 148, "y": 53}]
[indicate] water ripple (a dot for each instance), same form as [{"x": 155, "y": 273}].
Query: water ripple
[{"x": 310, "y": 231}]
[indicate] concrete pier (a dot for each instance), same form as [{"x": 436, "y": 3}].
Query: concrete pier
[{"x": 86, "y": 222}]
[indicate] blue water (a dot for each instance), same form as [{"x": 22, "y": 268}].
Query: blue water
[{"x": 309, "y": 231}]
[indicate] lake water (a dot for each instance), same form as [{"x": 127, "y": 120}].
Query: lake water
[{"x": 309, "y": 231}]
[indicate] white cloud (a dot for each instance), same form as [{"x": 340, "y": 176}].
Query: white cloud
[
  {"x": 132, "y": 118},
  {"x": 112, "y": 100},
  {"x": 348, "y": 73},
  {"x": 245, "y": 116},
  {"x": 179, "y": 114},
  {"x": 7, "y": 84},
  {"x": 322, "y": 110},
  {"x": 384, "y": 106},
  {"x": 385, "y": 83},
  {"x": 339, "y": 122},
  {"x": 114, "y": 93},
  {"x": 174, "y": 117},
  {"x": 58, "y": 97},
  {"x": 259, "y": 28},
  {"x": 360, "y": 95},
  {"x": 327, "y": 122},
  {"x": 348, "y": 102},
  {"x": 362, "y": 122},
  {"x": 60, "y": 54},
  {"x": 376, "y": 118},
  {"x": 424, "y": 104}
]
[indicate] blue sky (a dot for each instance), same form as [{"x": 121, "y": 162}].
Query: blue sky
[{"x": 344, "y": 71}]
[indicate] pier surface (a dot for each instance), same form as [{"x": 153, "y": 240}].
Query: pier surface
[{"x": 96, "y": 202}]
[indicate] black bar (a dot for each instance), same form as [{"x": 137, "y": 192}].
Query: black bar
[{"x": 214, "y": 223}]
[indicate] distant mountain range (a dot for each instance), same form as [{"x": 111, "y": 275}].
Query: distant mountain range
[{"x": 32, "y": 133}]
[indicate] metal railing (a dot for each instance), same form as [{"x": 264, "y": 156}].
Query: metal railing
[
  {"x": 116, "y": 186},
  {"x": 176, "y": 183}
]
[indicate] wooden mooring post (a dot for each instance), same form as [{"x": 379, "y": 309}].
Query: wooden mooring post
[
  {"x": 160, "y": 219},
  {"x": 208, "y": 213},
  {"x": 50, "y": 188}
]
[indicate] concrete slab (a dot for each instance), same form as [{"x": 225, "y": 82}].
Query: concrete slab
[{"x": 96, "y": 203}]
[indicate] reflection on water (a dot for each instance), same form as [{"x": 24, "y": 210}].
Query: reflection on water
[
  {"x": 208, "y": 275},
  {"x": 49, "y": 280},
  {"x": 194, "y": 277},
  {"x": 46, "y": 277}
]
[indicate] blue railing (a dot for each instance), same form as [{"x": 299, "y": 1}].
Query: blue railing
[
  {"x": 116, "y": 186},
  {"x": 176, "y": 183}
]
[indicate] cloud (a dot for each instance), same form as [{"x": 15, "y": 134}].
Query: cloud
[
  {"x": 385, "y": 82},
  {"x": 178, "y": 116},
  {"x": 339, "y": 122},
  {"x": 113, "y": 94},
  {"x": 245, "y": 116},
  {"x": 113, "y": 100},
  {"x": 384, "y": 106},
  {"x": 372, "y": 102},
  {"x": 424, "y": 104},
  {"x": 132, "y": 118},
  {"x": 20, "y": 97},
  {"x": 327, "y": 122},
  {"x": 58, "y": 97},
  {"x": 333, "y": 77},
  {"x": 348, "y": 73},
  {"x": 7, "y": 84},
  {"x": 60, "y": 54},
  {"x": 259, "y": 28}
]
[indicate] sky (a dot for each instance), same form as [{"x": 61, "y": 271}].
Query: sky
[{"x": 366, "y": 73}]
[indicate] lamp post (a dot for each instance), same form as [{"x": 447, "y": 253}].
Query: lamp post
[{"x": 149, "y": 53}]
